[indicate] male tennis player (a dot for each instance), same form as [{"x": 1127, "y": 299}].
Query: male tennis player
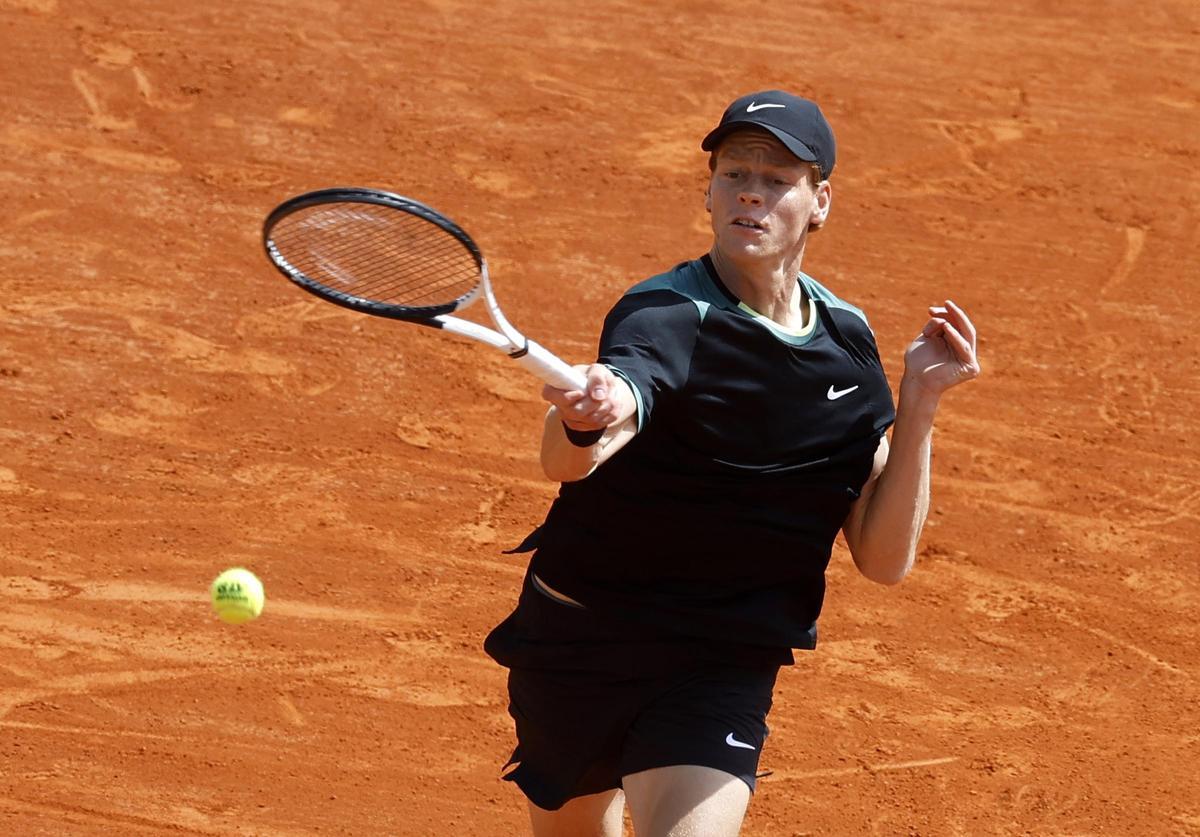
[{"x": 734, "y": 423}]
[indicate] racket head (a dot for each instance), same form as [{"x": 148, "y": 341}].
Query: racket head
[{"x": 376, "y": 252}]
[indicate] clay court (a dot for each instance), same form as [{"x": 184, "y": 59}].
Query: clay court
[{"x": 169, "y": 406}]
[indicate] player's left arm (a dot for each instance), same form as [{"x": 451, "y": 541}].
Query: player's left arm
[{"x": 885, "y": 522}]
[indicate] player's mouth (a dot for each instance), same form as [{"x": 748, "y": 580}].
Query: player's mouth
[{"x": 747, "y": 224}]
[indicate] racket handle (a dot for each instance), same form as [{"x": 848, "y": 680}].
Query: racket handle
[{"x": 550, "y": 369}]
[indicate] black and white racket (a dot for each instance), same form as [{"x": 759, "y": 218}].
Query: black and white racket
[{"x": 391, "y": 256}]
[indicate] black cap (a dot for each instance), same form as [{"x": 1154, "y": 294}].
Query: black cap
[{"x": 797, "y": 123}]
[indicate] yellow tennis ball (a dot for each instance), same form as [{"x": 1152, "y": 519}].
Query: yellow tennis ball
[{"x": 237, "y": 595}]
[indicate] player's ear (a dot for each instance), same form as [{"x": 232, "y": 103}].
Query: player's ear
[
  {"x": 822, "y": 199},
  {"x": 708, "y": 200}
]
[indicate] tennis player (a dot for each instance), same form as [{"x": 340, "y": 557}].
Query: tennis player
[{"x": 734, "y": 423}]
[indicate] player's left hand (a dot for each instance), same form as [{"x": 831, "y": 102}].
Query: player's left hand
[{"x": 945, "y": 352}]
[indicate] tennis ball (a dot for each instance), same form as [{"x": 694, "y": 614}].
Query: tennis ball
[{"x": 237, "y": 595}]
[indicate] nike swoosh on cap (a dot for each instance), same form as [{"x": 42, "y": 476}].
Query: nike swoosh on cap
[{"x": 753, "y": 106}]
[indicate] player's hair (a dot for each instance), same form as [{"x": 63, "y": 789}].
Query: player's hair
[{"x": 813, "y": 169}]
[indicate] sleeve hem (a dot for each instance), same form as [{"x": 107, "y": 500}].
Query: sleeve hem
[{"x": 637, "y": 394}]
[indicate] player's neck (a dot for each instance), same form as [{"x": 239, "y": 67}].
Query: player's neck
[{"x": 768, "y": 286}]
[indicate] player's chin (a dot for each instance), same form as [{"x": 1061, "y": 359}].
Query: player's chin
[{"x": 754, "y": 244}]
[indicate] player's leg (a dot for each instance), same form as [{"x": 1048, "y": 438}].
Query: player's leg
[
  {"x": 596, "y": 815},
  {"x": 686, "y": 800},
  {"x": 690, "y": 759}
]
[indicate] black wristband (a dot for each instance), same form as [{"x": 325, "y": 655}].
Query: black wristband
[{"x": 582, "y": 438}]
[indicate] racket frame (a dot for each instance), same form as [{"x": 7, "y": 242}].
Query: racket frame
[{"x": 534, "y": 357}]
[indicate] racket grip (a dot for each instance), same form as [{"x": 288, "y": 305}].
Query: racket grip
[{"x": 550, "y": 368}]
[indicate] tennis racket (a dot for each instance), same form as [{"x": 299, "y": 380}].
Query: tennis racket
[{"x": 391, "y": 256}]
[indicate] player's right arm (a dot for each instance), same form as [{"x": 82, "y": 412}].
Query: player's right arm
[
  {"x": 644, "y": 357},
  {"x": 583, "y": 430}
]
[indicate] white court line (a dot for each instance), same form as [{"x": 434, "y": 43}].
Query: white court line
[
  {"x": 870, "y": 768},
  {"x": 1128, "y": 646},
  {"x": 83, "y": 731}
]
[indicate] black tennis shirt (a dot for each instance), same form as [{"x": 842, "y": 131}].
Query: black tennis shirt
[{"x": 715, "y": 523}]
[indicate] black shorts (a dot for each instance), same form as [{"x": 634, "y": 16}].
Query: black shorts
[{"x": 592, "y": 706}]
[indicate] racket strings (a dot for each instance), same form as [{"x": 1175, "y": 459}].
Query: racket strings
[
  {"x": 396, "y": 259},
  {"x": 419, "y": 245},
  {"x": 377, "y": 253}
]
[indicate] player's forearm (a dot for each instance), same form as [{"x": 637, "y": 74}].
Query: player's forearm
[
  {"x": 565, "y": 461},
  {"x": 609, "y": 404},
  {"x": 897, "y": 509}
]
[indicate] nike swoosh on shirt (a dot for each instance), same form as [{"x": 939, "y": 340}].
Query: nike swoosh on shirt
[
  {"x": 733, "y": 742},
  {"x": 753, "y": 106},
  {"x": 835, "y": 394}
]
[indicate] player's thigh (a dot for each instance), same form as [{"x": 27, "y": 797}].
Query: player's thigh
[
  {"x": 595, "y": 815},
  {"x": 686, "y": 800}
]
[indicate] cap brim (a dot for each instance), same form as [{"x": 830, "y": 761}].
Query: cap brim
[{"x": 792, "y": 144}]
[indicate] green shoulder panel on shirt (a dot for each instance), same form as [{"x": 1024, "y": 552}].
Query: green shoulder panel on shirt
[{"x": 690, "y": 280}]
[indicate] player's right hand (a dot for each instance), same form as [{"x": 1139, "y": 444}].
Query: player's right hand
[{"x": 607, "y": 401}]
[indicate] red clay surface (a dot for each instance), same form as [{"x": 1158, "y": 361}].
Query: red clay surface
[{"x": 169, "y": 406}]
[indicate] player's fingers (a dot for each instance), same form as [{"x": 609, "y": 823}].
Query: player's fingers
[
  {"x": 953, "y": 313},
  {"x": 933, "y": 327},
  {"x": 599, "y": 382},
  {"x": 603, "y": 411},
  {"x": 963, "y": 350},
  {"x": 563, "y": 399},
  {"x": 961, "y": 321},
  {"x": 597, "y": 412}
]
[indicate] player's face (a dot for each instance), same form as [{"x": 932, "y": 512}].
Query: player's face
[{"x": 763, "y": 198}]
